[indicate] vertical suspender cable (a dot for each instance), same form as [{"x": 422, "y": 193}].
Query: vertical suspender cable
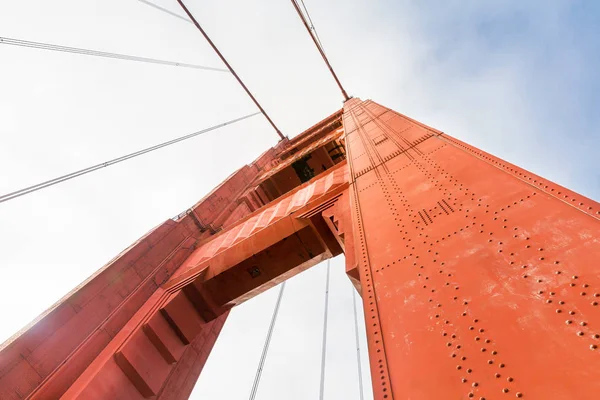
[
  {"x": 96, "y": 53},
  {"x": 324, "y": 348},
  {"x": 360, "y": 383},
  {"x": 263, "y": 357},
  {"x": 63, "y": 178},
  {"x": 165, "y": 10},
  {"x": 210, "y": 42},
  {"x": 312, "y": 26}
]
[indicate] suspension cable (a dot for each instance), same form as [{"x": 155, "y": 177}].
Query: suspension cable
[
  {"x": 189, "y": 14},
  {"x": 319, "y": 47},
  {"x": 360, "y": 382},
  {"x": 263, "y": 356},
  {"x": 165, "y": 10},
  {"x": 324, "y": 347},
  {"x": 88, "y": 52},
  {"x": 52, "y": 182},
  {"x": 312, "y": 26}
]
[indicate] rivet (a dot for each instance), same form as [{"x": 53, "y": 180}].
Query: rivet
[
  {"x": 490, "y": 362},
  {"x": 593, "y": 347},
  {"x": 579, "y": 333},
  {"x": 475, "y": 384},
  {"x": 558, "y": 310},
  {"x": 494, "y": 352},
  {"x": 510, "y": 379},
  {"x": 561, "y": 302},
  {"x": 469, "y": 370},
  {"x": 501, "y": 365},
  {"x": 497, "y": 375},
  {"x": 571, "y": 312},
  {"x": 458, "y": 367},
  {"x": 463, "y": 380},
  {"x": 505, "y": 390},
  {"x": 596, "y": 336},
  {"x": 488, "y": 341},
  {"x": 519, "y": 394},
  {"x": 583, "y": 323},
  {"x": 568, "y": 322}
]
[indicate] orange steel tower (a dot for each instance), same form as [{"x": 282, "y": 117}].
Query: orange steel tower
[{"x": 478, "y": 279}]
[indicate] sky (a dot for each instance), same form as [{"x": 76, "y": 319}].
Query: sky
[{"x": 517, "y": 79}]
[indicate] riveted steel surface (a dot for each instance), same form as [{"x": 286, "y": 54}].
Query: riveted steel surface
[{"x": 480, "y": 279}]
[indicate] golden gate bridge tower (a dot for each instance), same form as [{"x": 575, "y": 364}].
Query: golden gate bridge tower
[{"x": 478, "y": 279}]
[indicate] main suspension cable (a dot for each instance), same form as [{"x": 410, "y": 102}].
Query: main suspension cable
[
  {"x": 263, "y": 356},
  {"x": 312, "y": 26},
  {"x": 189, "y": 14},
  {"x": 52, "y": 182},
  {"x": 96, "y": 53},
  {"x": 324, "y": 346},
  {"x": 319, "y": 46},
  {"x": 360, "y": 382}
]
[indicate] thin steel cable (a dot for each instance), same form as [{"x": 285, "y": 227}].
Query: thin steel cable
[
  {"x": 263, "y": 356},
  {"x": 320, "y": 48},
  {"x": 165, "y": 10},
  {"x": 324, "y": 346},
  {"x": 360, "y": 382},
  {"x": 96, "y": 53},
  {"x": 189, "y": 14},
  {"x": 52, "y": 182},
  {"x": 312, "y": 26}
]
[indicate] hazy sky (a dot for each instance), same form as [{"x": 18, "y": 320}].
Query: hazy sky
[{"x": 517, "y": 79}]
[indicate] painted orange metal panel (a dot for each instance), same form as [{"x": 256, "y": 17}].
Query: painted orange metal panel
[{"x": 480, "y": 277}]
